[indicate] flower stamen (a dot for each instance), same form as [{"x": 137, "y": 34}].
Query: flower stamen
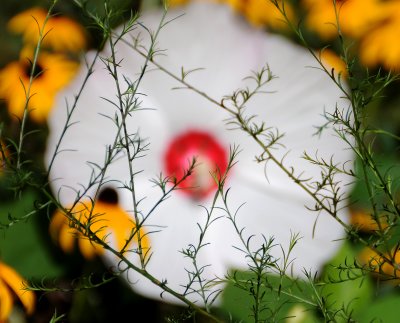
[{"x": 211, "y": 158}]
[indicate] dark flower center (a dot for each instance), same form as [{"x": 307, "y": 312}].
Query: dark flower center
[
  {"x": 38, "y": 71},
  {"x": 108, "y": 195}
]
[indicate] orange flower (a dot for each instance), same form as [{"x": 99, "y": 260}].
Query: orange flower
[
  {"x": 331, "y": 60},
  {"x": 364, "y": 221},
  {"x": 375, "y": 23},
  {"x": 4, "y": 155},
  {"x": 379, "y": 265},
  {"x": 60, "y": 33},
  {"x": 11, "y": 285},
  {"x": 381, "y": 45},
  {"x": 105, "y": 218},
  {"x": 257, "y": 12},
  {"x": 53, "y": 72},
  {"x": 262, "y": 12},
  {"x": 355, "y": 16},
  {"x": 173, "y": 3}
]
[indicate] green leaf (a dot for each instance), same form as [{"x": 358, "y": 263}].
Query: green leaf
[
  {"x": 25, "y": 245},
  {"x": 382, "y": 310},
  {"x": 346, "y": 287},
  {"x": 282, "y": 299}
]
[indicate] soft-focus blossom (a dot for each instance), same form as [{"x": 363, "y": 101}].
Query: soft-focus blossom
[
  {"x": 379, "y": 265},
  {"x": 53, "y": 72},
  {"x": 107, "y": 220},
  {"x": 4, "y": 155},
  {"x": 257, "y": 12},
  {"x": 331, "y": 60},
  {"x": 12, "y": 285},
  {"x": 180, "y": 124},
  {"x": 375, "y": 24},
  {"x": 60, "y": 33},
  {"x": 355, "y": 16},
  {"x": 173, "y": 3},
  {"x": 363, "y": 220},
  {"x": 380, "y": 46},
  {"x": 262, "y": 13}
]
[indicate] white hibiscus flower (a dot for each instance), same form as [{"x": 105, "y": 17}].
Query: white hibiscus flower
[{"x": 180, "y": 124}]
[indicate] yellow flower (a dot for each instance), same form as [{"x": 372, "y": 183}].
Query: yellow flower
[
  {"x": 61, "y": 33},
  {"x": 331, "y": 60},
  {"x": 257, "y": 12},
  {"x": 379, "y": 265},
  {"x": 363, "y": 221},
  {"x": 11, "y": 285},
  {"x": 262, "y": 12},
  {"x": 53, "y": 72},
  {"x": 375, "y": 23},
  {"x": 173, "y": 3},
  {"x": 106, "y": 219},
  {"x": 381, "y": 45},
  {"x": 4, "y": 155},
  {"x": 355, "y": 16}
]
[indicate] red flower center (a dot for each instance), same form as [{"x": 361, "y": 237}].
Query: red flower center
[{"x": 211, "y": 159}]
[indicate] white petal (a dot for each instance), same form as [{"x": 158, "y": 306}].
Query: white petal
[
  {"x": 173, "y": 227},
  {"x": 278, "y": 215},
  {"x": 92, "y": 130},
  {"x": 210, "y": 36}
]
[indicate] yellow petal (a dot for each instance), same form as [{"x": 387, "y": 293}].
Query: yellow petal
[
  {"x": 56, "y": 222},
  {"x": 17, "y": 284},
  {"x": 40, "y": 105},
  {"x": 87, "y": 249},
  {"x": 11, "y": 77},
  {"x": 61, "y": 232},
  {"x": 174, "y": 3},
  {"x": 28, "y": 22},
  {"x": 331, "y": 60},
  {"x": 364, "y": 221},
  {"x": 355, "y": 16},
  {"x": 61, "y": 33},
  {"x": 4, "y": 156},
  {"x": 65, "y": 34},
  {"x": 120, "y": 225},
  {"x": 57, "y": 72},
  {"x": 261, "y": 12},
  {"x": 67, "y": 238},
  {"x": 380, "y": 46},
  {"x": 106, "y": 220},
  {"x": 6, "y": 302},
  {"x": 374, "y": 261}
]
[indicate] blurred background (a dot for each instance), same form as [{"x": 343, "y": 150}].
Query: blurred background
[{"x": 370, "y": 36}]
